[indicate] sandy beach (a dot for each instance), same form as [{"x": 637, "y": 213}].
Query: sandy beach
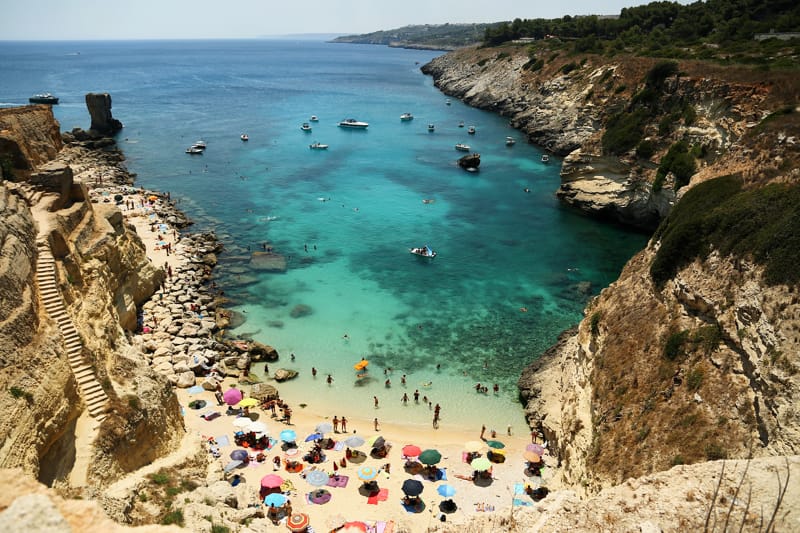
[{"x": 383, "y": 511}]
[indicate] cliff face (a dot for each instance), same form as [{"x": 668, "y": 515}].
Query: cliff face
[
  {"x": 564, "y": 104},
  {"x": 29, "y": 137},
  {"x": 102, "y": 274},
  {"x": 705, "y": 365}
]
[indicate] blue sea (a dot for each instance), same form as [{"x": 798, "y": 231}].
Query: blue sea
[{"x": 513, "y": 269}]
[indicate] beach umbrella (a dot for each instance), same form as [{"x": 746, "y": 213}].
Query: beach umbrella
[
  {"x": 276, "y": 498},
  {"x": 232, "y": 396},
  {"x": 367, "y": 473},
  {"x": 378, "y": 443},
  {"x": 446, "y": 490},
  {"x": 313, "y": 436},
  {"x": 373, "y": 439},
  {"x": 232, "y": 464},
  {"x": 480, "y": 464},
  {"x": 354, "y": 441},
  {"x": 241, "y": 421},
  {"x": 538, "y": 449},
  {"x": 271, "y": 481},
  {"x": 496, "y": 444},
  {"x": 152, "y": 198},
  {"x": 288, "y": 435},
  {"x": 411, "y": 450},
  {"x": 239, "y": 455},
  {"x": 474, "y": 446},
  {"x": 297, "y": 522},
  {"x": 430, "y": 457},
  {"x": 351, "y": 527},
  {"x": 323, "y": 427},
  {"x": 318, "y": 478},
  {"x": 256, "y": 427},
  {"x": 247, "y": 402},
  {"x": 412, "y": 487},
  {"x": 361, "y": 365},
  {"x": 531, "y": 457}
]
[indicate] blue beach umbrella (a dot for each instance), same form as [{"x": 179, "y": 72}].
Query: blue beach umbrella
[
  {"x": 276, "y": 498},
  {"x": 288, "y": 435},
  {"x": 239, "y": 455},
  {"x": 446, "y": 490},
  {"x": 313, "y": 436}
]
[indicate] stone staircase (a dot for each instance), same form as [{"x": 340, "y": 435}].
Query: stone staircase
[{"x": 93, "y": 394}]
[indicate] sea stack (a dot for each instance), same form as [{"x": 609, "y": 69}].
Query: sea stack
[{"x": 99, "y": 105}]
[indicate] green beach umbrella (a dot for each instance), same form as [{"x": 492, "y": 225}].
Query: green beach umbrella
[
  {"x": 480, "y": 464},
  {"x": 496, "y": 444},
  {"x": 430, "y": 457}
]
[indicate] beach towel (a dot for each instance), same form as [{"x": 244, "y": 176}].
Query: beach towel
[
  {"x": 382, "y": 496},
  {"x": 441, "y": 474},
  {"x": 519, "y": 488},
  {"x": 222, "y": 440},
  {"x": 210, "y": 416},
  {"x": 197, "y": 389},
  {"x": 464, "y": 457},
  {"x": 518, "y": 502},
  {"x": 338, "y": 481},
  {"x": 339, "y": 446}
]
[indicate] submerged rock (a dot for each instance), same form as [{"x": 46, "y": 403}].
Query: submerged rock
[{"x": 300, "y": 310}]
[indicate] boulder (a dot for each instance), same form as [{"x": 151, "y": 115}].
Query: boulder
[
  {"x": 186, "y": 380},
  {"x": 284, "y": 374},
  {"x": 262, "y": 352},
  {"x": 263, "y": 391},
  {"x": 211, "y": 383}
]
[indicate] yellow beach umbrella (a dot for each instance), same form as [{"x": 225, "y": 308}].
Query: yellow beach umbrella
[{"x": 247, "y": 402}]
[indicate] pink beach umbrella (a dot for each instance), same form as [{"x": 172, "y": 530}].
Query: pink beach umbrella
[
  {"x": 271, "y": 481},
  {"x": 538, "y": 449},
  {"x": 232, "y": 396}
]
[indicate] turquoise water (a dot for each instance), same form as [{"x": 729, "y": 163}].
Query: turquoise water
[{"x": 357, "y": 208}]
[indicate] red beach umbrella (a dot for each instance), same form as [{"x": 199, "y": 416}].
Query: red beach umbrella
[
  {"x": 411, "y": 450},
  {"x": 297, "y": 522}
]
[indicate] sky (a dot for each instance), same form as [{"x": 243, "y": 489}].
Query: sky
[{"x": 231, "y": 19}]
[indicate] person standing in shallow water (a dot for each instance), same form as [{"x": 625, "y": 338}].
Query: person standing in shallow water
[
  {"x": 377, "y": 426},
  {"x": 344, "y": 425}
]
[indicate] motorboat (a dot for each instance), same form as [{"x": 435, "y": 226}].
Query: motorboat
[
  {"x": 405, "y": 117},
  {"x": 471, "y": 130},
  {"x": 199, "y": 144},
  {"x": 447, "y": 102},
  {"x": 318, "y": 146},
  {"x": 43, "y": 98},
  {"x": 470, "y": 162},
  {"x": 306, "y": 126},
  {"x": 194, "y": 150},
  {"x": 461, "y": 147},
  {"x": 545, "y": 158},
  {"x": 423, "y": 251},
  {"x": 314, "y": 118},
  {"x": 431, "y": 127},
  {"x": 244, "y": 137},
  {"x": 510, "y": 141},
  {"x": 353, "y": 124},
  {"x": 461, "y": 124}
]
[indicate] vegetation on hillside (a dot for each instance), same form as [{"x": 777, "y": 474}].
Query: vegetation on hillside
[
  {"x": 760, "y": 224},
  {"x": 443, "y": 36},
  {"x": 723, "y": 30}
]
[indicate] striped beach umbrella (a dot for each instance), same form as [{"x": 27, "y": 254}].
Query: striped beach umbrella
[
  {"x": 367, "y": 473},
  {"x": 297, "y": 522}
]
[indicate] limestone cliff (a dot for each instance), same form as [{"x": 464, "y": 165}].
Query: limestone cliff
[
  {"x": 101, "y": 274},
  {"x": 564, "y": 103}
]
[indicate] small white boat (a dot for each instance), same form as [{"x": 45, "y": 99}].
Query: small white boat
[
  {"x": 510, "y": 141},
  {"x": 405, "y": 117},
  {"x": 461, "y": 124},
  {"x": 314, "y": 118},
  {"x": 318, "y": 146},
  {"x": 461, "y": 147},
  {"x": 545, "y": 158},
  {"x": 306, "y": 126},
  {"x": 244, "y": 137},
  {"x": 353, "y": 124},
  {"x": 471, "y": 130},
  {"x": 423, "y": 251},
  {"x": 447, "y": 102},
  {"x": 194, "y": 150},
  {"x": 431, "y": 127},
  {"x": 200, "y": 144}
]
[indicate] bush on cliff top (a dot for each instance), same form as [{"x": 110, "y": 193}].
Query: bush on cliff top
[{"x": 760, "y": 224}]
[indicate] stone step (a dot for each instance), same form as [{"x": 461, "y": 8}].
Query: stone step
[{"x": 98, "y": 397}]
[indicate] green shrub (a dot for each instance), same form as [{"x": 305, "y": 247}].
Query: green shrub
[
  {"x": 678, "y": 460},
  {"x": 680, "y": 162},
  {"x": 16, "y": 392},
  {"x": 760, "y": 224},
  {"x": 708, "y": 337},
  {"x": 569, "y": 67},
  {"x": 714, "y": 452},
  {"x": 174, "y": 517},
  {"x": 503, "y": 55},
  {"x": 595, "y": 322},
  {"x": 483, "y": 61},
  {"x": 694, "y": 379},
  {"x": 533, "y": 65},
  {"x": 160, "y": 478},
  {"x": 624, "y": 131},
  {"x": 645, "y": 149},
  {"x": 689, "y": 114},
  {"x": 620, "y": 88},
  {"x": 674, "y": 345},
  {"x": 660, "y": 72},
  {"x": 217, "y": 528}
]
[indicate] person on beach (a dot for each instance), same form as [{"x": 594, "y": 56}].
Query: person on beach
[
  {"x": 416, "y": 396},
  {"x": 313, "y": 372},
  {"x": 496, "y": 388},
  {"x": 436, "y": 421},
  {"x": 335, "y": 424},
  {"x": 483, "y": 430},
  {"x": 377, "y": 426},
  {"x": 388, "y": 383},
  {"x": 403, "y": 380},
  {"x": 330, "y": 379},
  {"x": 344, "y": 425},
  {"x": 375, "y": 400},
  {"x": 276, "y": 463},
  {"x": 405, "y": 398}
]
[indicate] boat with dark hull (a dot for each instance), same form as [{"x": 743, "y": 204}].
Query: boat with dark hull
[
  {"x": 470, "y": 162},
  {"x": 43, "y": 98}
]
